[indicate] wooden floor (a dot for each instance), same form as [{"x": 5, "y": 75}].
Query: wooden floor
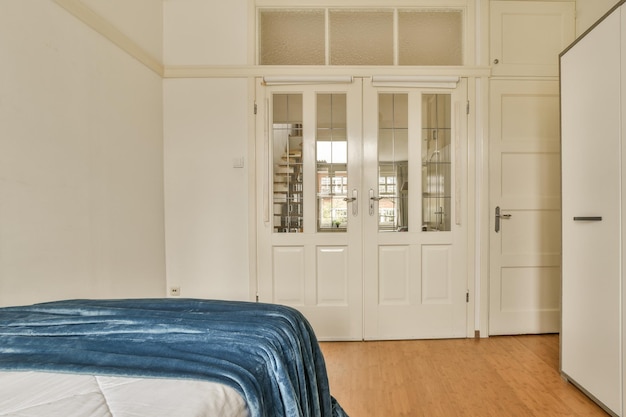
[{"x": 497, "y": 376}]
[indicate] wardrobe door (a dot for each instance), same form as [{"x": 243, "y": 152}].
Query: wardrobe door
[{"x": 590, "y": 114}]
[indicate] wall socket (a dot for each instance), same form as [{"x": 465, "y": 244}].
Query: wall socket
[{"x": 174, "y": 291}]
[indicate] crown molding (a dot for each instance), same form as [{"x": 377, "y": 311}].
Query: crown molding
[{"x": 106, "y": 29}]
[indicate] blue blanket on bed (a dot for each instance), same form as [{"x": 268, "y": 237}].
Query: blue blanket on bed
[{"x": 268, "y": 353}]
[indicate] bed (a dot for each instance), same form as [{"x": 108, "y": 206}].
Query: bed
[{"x": 161, "y": 357}]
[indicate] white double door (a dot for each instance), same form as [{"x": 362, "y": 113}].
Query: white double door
[{"x": 340, "y": 234}]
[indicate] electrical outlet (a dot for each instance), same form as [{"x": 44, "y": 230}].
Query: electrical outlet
[{"x": 175, "y": 291}]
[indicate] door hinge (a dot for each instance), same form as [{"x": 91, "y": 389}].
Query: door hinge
[
  {"x": 257, "y": 298},
  {"x": 467, "y": 296},
  {"x": 255, "y": 108},
  {"x": 467, "y": 107}
]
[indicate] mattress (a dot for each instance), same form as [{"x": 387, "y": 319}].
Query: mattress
[
  {"x": 44, "y": 394},
  {"x": 268, "y": 354}
]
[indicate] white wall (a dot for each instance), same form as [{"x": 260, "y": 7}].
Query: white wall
[
  {"x": 205, "y": 32},
  {"x": 81, "y": 190},
  {"x": 589, "y": 11},
  {"x": 205, "y": 128},
  {"x": 140, "y": 20},
  {"x": 206, "y": 205}
]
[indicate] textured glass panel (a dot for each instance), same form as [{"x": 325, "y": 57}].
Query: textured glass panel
[
  {"x": 436, "y": 162},
  {"x": 430, "y": 37},
  {"x": 331, "y": 147},
  {"x": 287, "y": 163},
  {"x": 292, "y": 37},
  {"x": 393, "y": 166},
  {"x": 361, "y": 37}
]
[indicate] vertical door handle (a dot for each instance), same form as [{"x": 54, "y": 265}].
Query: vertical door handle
[
  {"x": 355, "y": 202},
  {"x": 373, "y": 198},
  {"x": 500, "y": 216}
]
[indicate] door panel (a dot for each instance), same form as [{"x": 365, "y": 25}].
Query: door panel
[
  {"x": 516, "y": 50},
  {"x": 332, "y": 276},
  {"x": 309, "y": 235},
  {"x": 415, "y": 268},
  {"x": 393, "y": 274},
  {"x": 525, "y": 186},
  {"x": 288, "y": 275},
  {"x": 437, "y": 274}
]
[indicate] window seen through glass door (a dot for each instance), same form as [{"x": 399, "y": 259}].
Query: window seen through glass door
[
  {"x": 436, "y": 162},
  {"x": 393, "y": 163},
  {"x": 331, "y": 147},
  {"x": 287, "y": 163}
]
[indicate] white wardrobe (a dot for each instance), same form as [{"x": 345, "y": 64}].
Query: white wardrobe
[{"x": 593, "y": 145}]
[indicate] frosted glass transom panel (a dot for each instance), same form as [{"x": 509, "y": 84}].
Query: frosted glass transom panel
[
  {"x": 361, "y": 37},
  {"x": 430, "y": 37},
  {"x": 292, "y": 37}
]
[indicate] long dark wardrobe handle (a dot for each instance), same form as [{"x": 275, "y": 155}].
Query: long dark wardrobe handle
[{"x": 588, "y": 219}]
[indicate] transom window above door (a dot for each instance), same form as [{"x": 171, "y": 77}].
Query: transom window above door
[{"x": 340, "y": 36}]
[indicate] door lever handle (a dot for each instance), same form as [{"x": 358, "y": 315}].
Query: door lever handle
[
  {"x": 353, "y": 200},
  {"x": 372, "y": 199},
  {"x": 500, "y": 216}
]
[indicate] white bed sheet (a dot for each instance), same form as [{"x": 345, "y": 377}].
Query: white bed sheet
[{"x": 41, "y": 394}]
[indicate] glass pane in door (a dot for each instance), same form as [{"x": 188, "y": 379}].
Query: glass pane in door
[
  {"x": 436, "y": 162},
  {"x": 393, "y": 163},
  {"x": 287, "y": 163},
  {"x": 331, "y": 146}
]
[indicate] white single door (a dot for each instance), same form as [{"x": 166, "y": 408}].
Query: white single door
[
  {"x": 309, "y": 221},
  {"x": 525, "y": 206},
  {"x": 414, "y": 219}
]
